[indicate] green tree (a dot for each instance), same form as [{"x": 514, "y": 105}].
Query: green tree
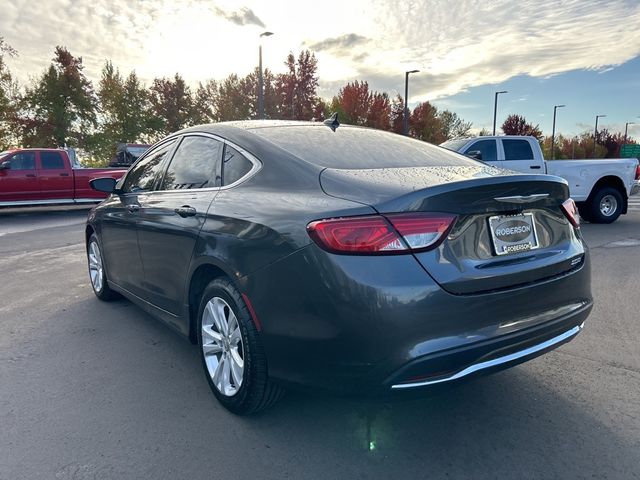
[
  {"x": 126, "y": 115},
  {"x": 453, "y": 126},
  {"x": 60, "y": 107},
  {"x": 172, "y": 103},
  {"x": 9, "y": 98},
  {"x": 236, "y": 99},
  {"x": 204, "y": 103}
]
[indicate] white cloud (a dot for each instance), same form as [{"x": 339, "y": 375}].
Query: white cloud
[{"x": 456, "y": 44}]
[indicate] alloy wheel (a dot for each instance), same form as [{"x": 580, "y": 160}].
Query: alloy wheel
[
  {"x": 96, "y": 271},
  {"x": 222, "y": 346},
  {"x": 608, "y": 205}
]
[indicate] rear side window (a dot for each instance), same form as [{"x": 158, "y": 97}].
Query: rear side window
[
  {"x": 51, "y": 161},
  {"x": 146, "y": 172},
  {"x": 517, "y": 149},
  {"x": 23, "y": 161},
  {"x": 487, "y": 148},
  {"x": 359, "y": 148},
  {"x": 235, "y": 166},
  {"x": 194, "y": 164}
]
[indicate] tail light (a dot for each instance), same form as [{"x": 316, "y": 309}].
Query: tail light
[
  {"x": 380, "y": 235},
  {"x": 638, "y": 172},
  {"x": 570, "y": 209}
]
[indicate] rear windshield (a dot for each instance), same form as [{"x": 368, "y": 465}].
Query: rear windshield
[{"x": 358, "y": 148}]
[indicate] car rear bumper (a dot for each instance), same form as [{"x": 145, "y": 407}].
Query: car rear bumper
[{"x": 369, "y": 325}]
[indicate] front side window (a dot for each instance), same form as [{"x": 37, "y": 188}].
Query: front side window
[
  {"x": 517, "y": 149},
  {"x": 194, "y": 164},
  {"x": 143, "y": 176},
  {"x": 235, "y": 166},
  {"x": 23, "y": 161},
  {"x": 486, "y": 147},
  {"x": 51, "y": 161}
]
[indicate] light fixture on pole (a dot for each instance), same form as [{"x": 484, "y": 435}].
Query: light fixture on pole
[
  {"x": 626, "y": 129},
  {"x": 595, "y": 135},
  {"x": 405, "y": 116},
  {"x": 553, "y": 132},
  {"x": 495, "y": 109},
  {"x": 260, "y": 79}
]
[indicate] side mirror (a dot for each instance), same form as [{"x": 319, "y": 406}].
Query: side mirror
[
  {"x": 475, "y": 154},
  {"x": 106, "y": 184},
  {"x": 6, "y": 165}
]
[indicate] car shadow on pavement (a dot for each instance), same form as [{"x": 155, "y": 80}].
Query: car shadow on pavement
[{"x": 124, "y": 393}]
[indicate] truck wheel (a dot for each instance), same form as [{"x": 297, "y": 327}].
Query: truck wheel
[
  {"x": 606, "y": 205},
  {"x": 585, "y": 212}
]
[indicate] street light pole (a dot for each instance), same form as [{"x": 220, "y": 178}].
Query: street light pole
[
  {"x": 595, "y": 135},
  {"x": 626, "y": 128},
  {"x": 495, "y": 109},
  {"x": 405, "y": 116},
  {"x": 260, "y": 79},
  {"x": 553, "y": 132}
]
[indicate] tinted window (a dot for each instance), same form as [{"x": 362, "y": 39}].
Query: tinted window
[
  {"x": 517, "y": 149},
  {"x": 486, "y": 147},
  {"x": 23, "y": 161},
  {"x": 194, "y": 164},
  {"x": 144, "y": 174},
  {"x": 350, "y": 147},
  {"x": 235, "y": 166},
  {"x": 51, "y": 161},
  {"x": 455, "y": 145}
]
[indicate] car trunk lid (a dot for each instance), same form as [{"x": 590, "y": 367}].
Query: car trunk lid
[{"x": 489, "y": 203}]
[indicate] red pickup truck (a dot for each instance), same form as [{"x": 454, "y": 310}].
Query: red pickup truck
[{"x": 45, "y": 176}]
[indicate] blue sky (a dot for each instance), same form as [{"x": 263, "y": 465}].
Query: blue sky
[
  {"x": 583, "y": 53},
  {"x": 613, "y": 92}
]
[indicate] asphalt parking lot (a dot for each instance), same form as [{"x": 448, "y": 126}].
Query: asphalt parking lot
[{"x": 90, "y": 390}]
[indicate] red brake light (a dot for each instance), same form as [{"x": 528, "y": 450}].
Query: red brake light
[
  {"x": 378, "y": 235},
  {"x": 570, "y": 209},
  {"x": 638, "y": 172}
]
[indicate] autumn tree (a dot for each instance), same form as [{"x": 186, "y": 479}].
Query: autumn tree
[
  {"x": 204, "y": 103},
  {"x": 296, "y": 88},
  {"x": 9, "y": 97},
  {"x": 518, "y": 125},
  {"x": 234, "y": 99},
  {"x": 172, "y": 103},
  {"x": 60, "y": 107},
  {"x": 425, "y": 124}
]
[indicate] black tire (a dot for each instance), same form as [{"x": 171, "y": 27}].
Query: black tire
[
  {"x": 256, "y": 392},
  {"x": 101, "y": 289},
  {"x": 598, "y": 214},
  {"x": 585, "y": 212}
]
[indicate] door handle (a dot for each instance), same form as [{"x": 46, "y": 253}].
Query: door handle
[
  {"x": 133, "y": 208},
  {"x": 535, "y": 167},
  {"x": 186, "y": 211},
  {"x": 31, "y": 175},
  {"x": 64, "y": 174}
]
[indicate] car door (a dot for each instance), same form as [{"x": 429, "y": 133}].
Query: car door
[
  {"x": 19, "y": 182},
  {"x": 54, "y": 174},
  {"x": 519, "y": 156},
  {"x": 485, "y": 150},
  {"x": 171, "y": 218},
  {"x": 121, "y": 214}
]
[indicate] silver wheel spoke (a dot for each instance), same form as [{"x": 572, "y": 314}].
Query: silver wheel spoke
[
  {"x": 95, "y": 267},
  {"x": 222, "y": 346}
]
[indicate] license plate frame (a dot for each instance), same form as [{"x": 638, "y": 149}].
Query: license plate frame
[{"x": 506, "y": 247}]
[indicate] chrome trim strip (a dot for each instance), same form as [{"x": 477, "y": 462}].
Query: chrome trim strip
[
  {"x": 496, "y": 361},
  {"x": 522, "y": 198},
  {"x": 59, "y": 201}
]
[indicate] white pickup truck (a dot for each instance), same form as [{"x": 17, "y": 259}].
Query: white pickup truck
[{"x": 601, "y": 187}]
